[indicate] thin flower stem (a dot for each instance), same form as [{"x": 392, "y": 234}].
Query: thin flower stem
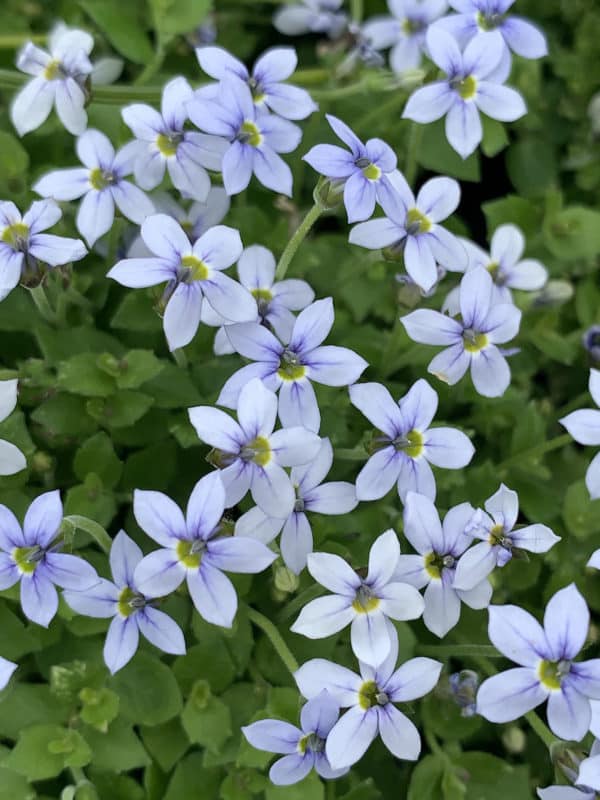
[
  {"x": 351, "y": 454},
  {"x": 11, "y": 41},
  {"x": 356, "y": 10},
  {"x": 412, "y": 152},
  {"x": 271, "y": 632},
  {"x": 39, "y": 297},
  {"x": 294, "y": 243},
  {"x": 538, "y": 450}
]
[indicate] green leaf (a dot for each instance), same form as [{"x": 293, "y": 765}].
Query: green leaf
[
  {"x": 532, "y": 166},
  {"x": 436, "y": 155},
  {"x": 206, "y": 718},
  {"x": 148, "y": 690},
  {"x": 426, "y": 779},
  {"x": 311, "y": 788},
  {"x": 495, "y": 138},
  {"x": 573, "y": 233},
  {"x": 135, "y": 313},
  {"x": 91, "y": 500},
  {"x": 16, "y": 640},
  {"x": 580, "y": 514},
  {"x": 62, "y": 415},
  {"x": 43, "y": 751},
  {"x": 516, "y": 210},
  {"x": 121, "y": 410},
  {"x": 174, "y": 17},
  {"x": 14, "y": 163},
  {"x": 97, "y": 455},
  {"x": 97, "y": 532},
  {"x": 166, "y": 743},
  {"x": 14, "y": 786},
  {"x": 122, "y": 25},
  {"x": 81, "y": 375},
  {"x": 136, "y": 367},
  {"x": 192, "y": 781},
  {"x": 492, "y": 778},
  {"x": 99, "y": 707},
  {"x": 117, "y": 750}
]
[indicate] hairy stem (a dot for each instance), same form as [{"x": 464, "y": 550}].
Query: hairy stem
[
  {"x": 273, "y": 635},
  {"x": 294, "y": 243}
]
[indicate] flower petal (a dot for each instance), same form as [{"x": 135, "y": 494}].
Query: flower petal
[
  {"x": 509, "y": 695},
  {"x": 324, "y": 616},
  {"x": 517, "y": 635},
  {"x": 566, "y": 623},
  {"x": 350, "y": 737},
  {"x": 213, "y": 595}
]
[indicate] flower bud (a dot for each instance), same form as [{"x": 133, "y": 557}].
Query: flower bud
[
  {"x": 328, "y": 192},
  {"x": 286, "y": 581}
]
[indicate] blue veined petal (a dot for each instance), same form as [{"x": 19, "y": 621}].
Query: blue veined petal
[
  {"x": 273, "y": 736},
  {"x": 121, "y": 642}
]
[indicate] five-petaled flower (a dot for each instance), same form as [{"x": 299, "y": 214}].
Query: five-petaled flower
[
  {"x": 31, "y": 555},
  {"x": 370, "y": 698},
  {"x": 101, "y": 182},
  {"x": 312, "y": 496},
  {"x": 192, "y": 272},
  {"x": 162, "y": 142},
  {"x": 302, "y": 749},
  {"x": 499, "y": 539},
  {"x": 584, "y": 427},
  {"x": 405, "y": 445},
  {"x": 195, "y": 548},
  {"x": 439, "y": 547},
  {"x": 265, "y": 81},
  {"x": 291, "y": 366},
  {"x": 132, "y": 612},
  {"x": 248, "y": 139},
  {"x": 368, "y": 172},
  {"x": 25, "y": 250},
  {"x": 363, "y": 603},
  {"x": 548, "y": 670},
  {"x": 474, "y": 82},
  {"x": 250, "y": 455},
  {"x": 472, "y": 341},
  {"x": 413, "y": 230}
]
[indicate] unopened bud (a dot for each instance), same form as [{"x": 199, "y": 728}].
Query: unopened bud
[
  {"x": 285, "y": 580},
  {"x": 328, "y": 192},
  {"x": 553, "y": 295},
  {"x": 514, "y": 740}
]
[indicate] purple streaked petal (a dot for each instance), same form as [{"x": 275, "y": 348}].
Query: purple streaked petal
[
  {"x": 337, "y": 497},
  {"x": 583, "y": 425},
  {"x": 444, "y": 50},
  {"x": 584, "y": 676},
  {"x": 482, "y": 55},
  {"x": 39, "y": 599},
  {"x": 474, "y": 566},
  {"x": 298, "y": 405},
  {"x": 401, "y": 601},
  {"x": 376, "y": 233},
  {"x": 205, "y": 506},
  {"x": 144, "y": 122},
  {"x": 335, "y": 366},
  {"x": 490, "y": 372},
  {"x": 310, "y": 475},
  {"x": 411, "y": 570},
  {"x": 159, "y": 517},
  {"x": 398, "y": 733},
  {"x": 213, "y": 595},
  {"x": 475, "y": 298},
  {"x": 508, "y": 244},
  {"x": 41, "y": 215},
  {"x": 463, "y": 127},
  {"x": 132, "y": 202},
  {"x": 503, "y": 505},
  {"x": 517, "y": 635},
  {"x": 416, "y": 476},
  {"x": 255, "y": 342},
  {"x": 324, "y": 616},
  {"x": 159, "y": 573},
  {"x": 523, "y": 38},
  {"x": 230, "y": 393},
  {"x": 56, "y": 250},
  {"x": 369, "y": 637},
  {"x": 11, "y": 534},
  {"x": 569, "y": 713},
  {"x": 438, "y": 198},
  {"x": 592, "y": 477},
  {"x": 121, "y": 642},
  {"x": 429, "y": 103},
  {"x": 359, "y": 197},
  {"x": 273, "y": 736},
  {"x": 94, "y": 149},
  {"x": 176, "y": 94},
  {"x": 291, "y": 769},
  {"x": 9, "y": 574},
  {"x": 345, "y": 133},
  {"x": 447, "y": 447},
  {"x": 229, "y": 298},
  {"x": 161, "y": 630},
  {"x": 272, "y": 490},
  {"x": 313, "y": 324},
  {"x": 219, "y": 247},
  {"x": 442, "y": 605},
  {"x": 319, "y": 714},
  {"x": 257, "y": 410},
  {"x": 69, "y": 572},
  {"x": 43, "y": 519},
  {"x": 317, "y": 675},
  {"x": 383, "y": 557},
  {"x": 217, "y": 428},
  {"x": 535, "y": 538},
  {"x": 256, "y": 267},
  {"x": 219, "y": 64},
  {"x": 149, "y": 167},
  {"x": 188, "y": 177},
  {"x": 96, "y": 215},
  {"x": 255, "y": 524},
  {"x": 292, "y": 294},
  {"x": 272, "y": 171},
  {"x": 182, "y": 315},
  {"x": 331, "y": 161},
  {"x": 98, "y": 601},
  {"x": 11, "y": 264},
  {"x": 138, "y": 273},
  {"x": 431, "y": 327},
  {"x": 351, "y": 736},
  {"x": 296, "y": 541},
  {"x": 509, "y": 695},
  {"x": 333, "y": 573},
  {"x": 375, "y": 402},
  {"x": 239, "y": 554},
  {"x": 500, "y": 102},
  {"x": 447, "y": 249},
  {"x": 70, "y": 106},
  {"x": 566, "y": 623},
  {"x": 280, "y": 135},
  {"x": 32, "y": 105},
  {"x": 420, "y": 262},
  {"x": 236, "y": 480},
  {"x": 451, "y": 364},
  {"x": 422, "y": 526},
  {"x": 378, "y": 475},
  {"x": 290, "y": 102},
  {"x": 589, "y": 774},
  {"x": 418, "y": 407},
  {"x": 527, "y": 275},
  {"x": 166, "y": 238},
  {"x": 414, "y": 679}
]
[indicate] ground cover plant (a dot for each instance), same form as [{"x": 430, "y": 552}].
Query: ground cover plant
[{"x": 300, "y": 324}]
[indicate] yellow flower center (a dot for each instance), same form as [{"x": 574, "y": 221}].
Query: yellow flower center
[
  {"x": 52, "y": 70},
  {"x": 100, "y": 179},
  {"x": 16, "y": 235},
  {"x": 417, "y": 222},
  {"x": 493, "y": 267},
  {"x": 129, "y": 602},
  {"x": 27, "y": 558},
  {"x": 496, "y": 535},
  {"x": 189, "y": 553},
  {"x": 262, "y": 294},
  {"x": 474, "y": 342},
  {"x": 372, "y": 172},
  {"x": 290, "y": 366},
  {"x": 257, "y": 451},
  {"x": 411, "y": 443},
  {"x": 467, "y": 87},
  {"x": 435, "y": 563},
  {"x": 370, "y": 695},
  {"x": 250, "y": 134},
  {"x": 551, "y": 673},
  {"x": 167, "y": 144},
  {"x": 364, "y": 600},
  {"x": 198, "y": 271}
]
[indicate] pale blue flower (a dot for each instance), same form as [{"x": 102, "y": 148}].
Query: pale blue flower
[
  {"x": 31, "y": 555},
  {"x": 584, "y": 427},
  {"x": 292, "y": 366},
  {"x": 370, "y": 698},
  {"x": 311, "y": 16},
  {"x": 132, "y": 612},
  {"x": 195, "y": 549},
  {"x": 101, "y": 182},
  {"x": 250, "y": 454},
  {"x": 12, "y": 459},
  {"x": 303, "y": 749},
  {"x": 499, "y": 538},
  {"x": 312, "y": 497},
  {"x": 470, "y": 342},
  {"x": 405, "y": 444},
  {"x": 548, "y": 670},
  {"x": 439, "y": 547},
  {"x": 473, "y": 83},
  {"x": 7, "y": 669},
  {"x": 365, "y": 604}
]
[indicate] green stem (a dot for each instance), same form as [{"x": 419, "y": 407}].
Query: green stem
[
  {"x": 412, "y": 152},
  {"x": 152, "y": 68},
  {"x": 331, "y": 790},
  {"x": 180, "y": 358},
  {"x": 538, "y": 450},
  {"x": 545, "y": 734},
  {"x": 294, "y": 243},
  {"x": 356, "y": 10},
  {"x": 351, "y": 454},
  {"x": 298, "y": 602},
  {"x": 12, "y": 41},
  {"x": 271, "y": 632},
  {"x": 38, "y": 295}
]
